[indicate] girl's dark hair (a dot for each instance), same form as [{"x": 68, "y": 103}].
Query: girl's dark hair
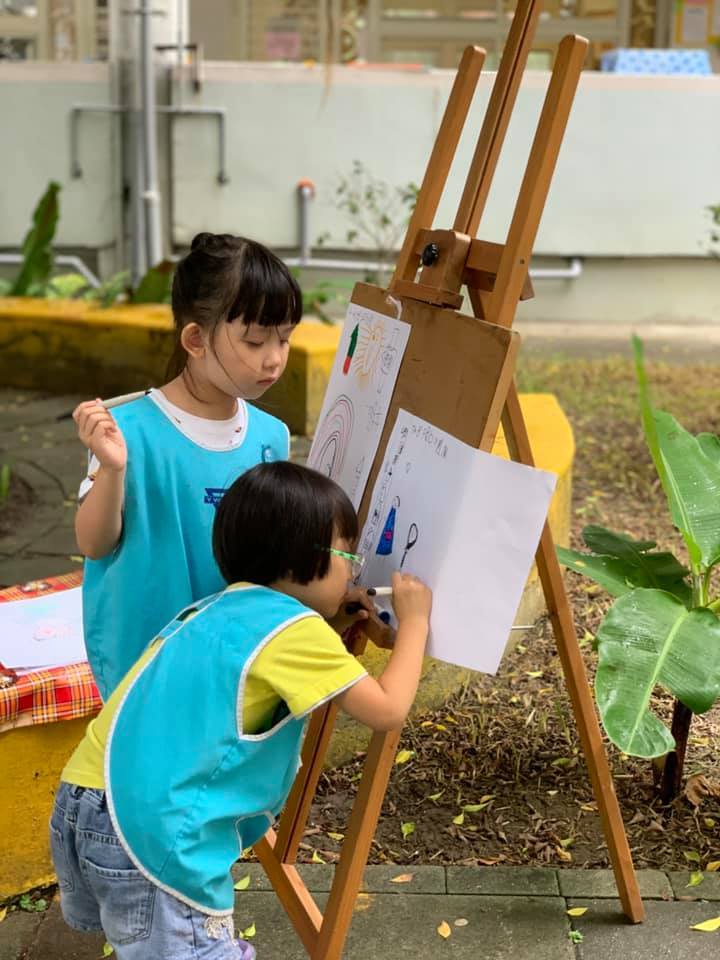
[
  {"x": 276, "y": 522},
  {"x": 224, "y": 277}
]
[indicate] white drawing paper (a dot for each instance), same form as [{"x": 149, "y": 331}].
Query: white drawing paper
[
  {"x": 42, "y": 632},
  {"x": 464, "y": 521},
  {"x": 358, "y": 397}
]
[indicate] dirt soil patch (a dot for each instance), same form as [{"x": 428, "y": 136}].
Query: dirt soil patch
[
  {"x": 507, "y": 746},
  {"x": 16, "y": 507}
]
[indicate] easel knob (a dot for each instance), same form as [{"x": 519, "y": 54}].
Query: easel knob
[{"x": 430, "y": 254}]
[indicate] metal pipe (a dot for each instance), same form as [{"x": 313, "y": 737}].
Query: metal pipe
[
  {"x": 220, "y": 113},
  {"x": 139, "y": 264},
  {"x": 75, "y": 112},
  {"x": 77, "y": 109},
  {"x": 306, "y": 192},
  {"x": 573, "y": 270},
  {"x": 196, "y": 49},
  {"x": 180, "y": 13},
  {"x": 62, "y": 260},
  {"x": 320, "y": 263},
  {"x": 151, "y": 193}
]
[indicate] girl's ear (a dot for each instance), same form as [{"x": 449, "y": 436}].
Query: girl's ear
[{"x": 192, "y": 340}]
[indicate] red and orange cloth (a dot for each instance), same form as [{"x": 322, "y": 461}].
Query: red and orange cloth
[{"x": 44, "y": 696}]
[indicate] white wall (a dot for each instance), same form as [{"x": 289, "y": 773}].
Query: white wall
[
  {"x": 640, "y": 160},
  {"x": 35, "y": 102}
]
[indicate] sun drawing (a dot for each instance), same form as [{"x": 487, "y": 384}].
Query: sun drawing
[{"x": 369, "y": 349}]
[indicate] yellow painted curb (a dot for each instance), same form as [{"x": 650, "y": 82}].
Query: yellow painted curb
[
  {"x": 31, "y": 759},
  {"x": 69, "y": 346}
]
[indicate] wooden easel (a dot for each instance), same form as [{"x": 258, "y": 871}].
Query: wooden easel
[{"x": 458, "y": 373}]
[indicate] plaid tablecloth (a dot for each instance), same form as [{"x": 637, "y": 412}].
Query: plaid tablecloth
[{"x": 43, "y": 696}]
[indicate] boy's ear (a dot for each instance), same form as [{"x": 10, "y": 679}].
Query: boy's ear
[{"x": 192, "y": 340}]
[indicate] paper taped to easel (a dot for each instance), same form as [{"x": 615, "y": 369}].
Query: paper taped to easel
[
  {"x": 467, "y": 523},
  {"x": 358, "y": 397}
]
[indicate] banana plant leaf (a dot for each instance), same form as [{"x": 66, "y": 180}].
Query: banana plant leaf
[
  {"x": 694, "y": 481},
  {"x": 620, "y": 564},
  {"x": 710, "y": 446},
  {"x": 650, "y": 638},
  {"x": 689, "y": 470},
  {"x": 155, "y": 286},
  {"x": 37, "y": 245}
]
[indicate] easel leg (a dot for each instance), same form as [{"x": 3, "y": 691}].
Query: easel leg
[
  {"x": 299, "y": 904},
  {"x": 358, "y": 838},
  {"x": 577, "y": 683},
  {"x": 297, "y": 809}
]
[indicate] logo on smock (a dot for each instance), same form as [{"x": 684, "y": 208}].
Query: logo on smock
[{"x": 214, "y": 495}]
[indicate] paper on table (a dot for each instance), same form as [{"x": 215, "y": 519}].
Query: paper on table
[
  {"x": 466, "y": 522},
  {"x": 357, "y": 399},
  {"x": 42, "y": 631}
]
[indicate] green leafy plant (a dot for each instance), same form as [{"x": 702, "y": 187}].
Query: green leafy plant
[
  {"x": 317, "y": 298},
  {"x": 35, "y": 276},
  {"x": 66, "y": 286},
  {"x": 4, "y": 482},
  {"x": 663, "y": 627},
  {"x": 37, "y": 246},
  {"x": 714, "y": 211},
  {"x": 378, "y": 213},
  {"x": 29, "y": 905},
  {"x": 155, "y": 286}
]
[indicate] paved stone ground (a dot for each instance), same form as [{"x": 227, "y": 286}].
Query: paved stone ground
[{"x": 508, "y": 912}]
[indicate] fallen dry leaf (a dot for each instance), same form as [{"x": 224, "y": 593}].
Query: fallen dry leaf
[
  {"x": 402, "y": 878},
  {"x": 404, "y": 755},
  {"x": 3, "y": 914},
  {"x": 577, "y": 911},
  {"x": 248, "y": 932},
  {"x": 713, "y": 866},
  {"x": 698, "y": 787},
  {"x": 363, "y": 902},
  {"x": 444, "y": 930},
  {"x": 708, "y": 926},
  {"x": 461, "y": 922},
  {"x": 563, "y": 855},
  {"x": 243, "y": 883},
  {"x": 316, "y": 858}
]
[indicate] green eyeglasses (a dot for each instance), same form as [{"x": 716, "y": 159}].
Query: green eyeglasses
[{"x": 357, "y": 562}]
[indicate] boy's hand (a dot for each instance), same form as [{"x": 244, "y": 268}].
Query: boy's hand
[
  {"x": 411, "y": 599},
  {"x": 101, "y": 435}
]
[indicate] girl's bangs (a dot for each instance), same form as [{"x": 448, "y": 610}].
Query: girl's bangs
[{"x": 267, "y": 294}]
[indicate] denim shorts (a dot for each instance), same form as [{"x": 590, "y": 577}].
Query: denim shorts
[{"x": 102, "y": 890}]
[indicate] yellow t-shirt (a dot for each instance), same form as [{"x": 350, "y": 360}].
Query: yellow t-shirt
[{"x": 304, "y": 665}]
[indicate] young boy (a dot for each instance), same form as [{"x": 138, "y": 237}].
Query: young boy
[{"x": 194, "y": 754}]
